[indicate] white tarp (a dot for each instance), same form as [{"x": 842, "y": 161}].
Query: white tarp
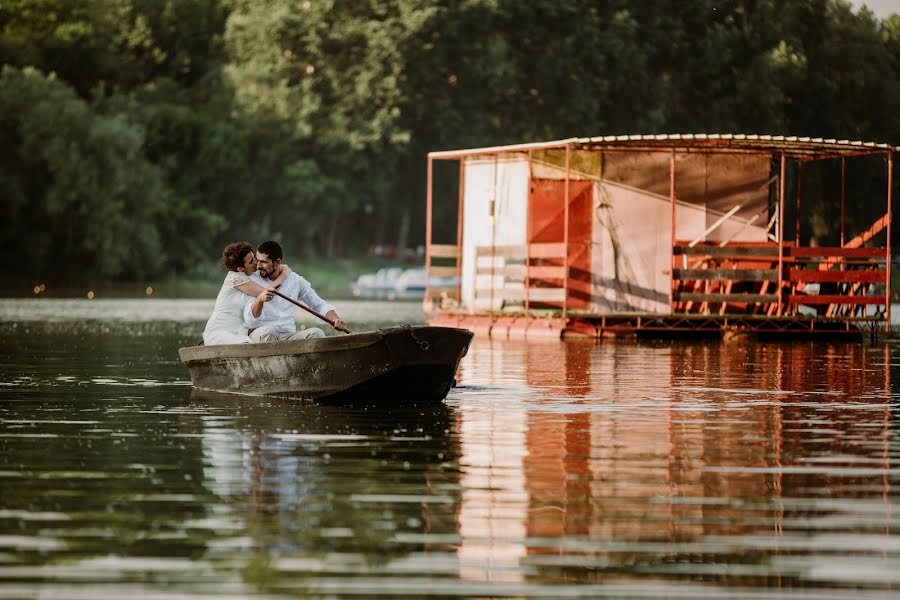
[
  {"x": 632, "y": 245},
  {"x": 505, "y": 181}
]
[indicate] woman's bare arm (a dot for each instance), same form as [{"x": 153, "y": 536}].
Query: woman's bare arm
[
  {"x": 253, "y": 289},
  {"x": 285, "y": 272},
  {"x": 250, "y": 288}
]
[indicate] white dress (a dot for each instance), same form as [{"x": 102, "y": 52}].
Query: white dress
[{"x": 226, "y": 325}]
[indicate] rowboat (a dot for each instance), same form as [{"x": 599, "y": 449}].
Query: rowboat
[{"x": 409, "y": 363}]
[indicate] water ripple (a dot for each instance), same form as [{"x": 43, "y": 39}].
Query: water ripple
[{"x": 582, "y": 470}]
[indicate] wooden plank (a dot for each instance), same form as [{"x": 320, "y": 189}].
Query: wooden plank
[
  {"x": 869, "y": 233},
  {"x": 547, "y": 272},
  {"x": 443, "y": 271},
  {"x": 518, "y": 272},
  {"x": 509, "y": 271},
  {"x": 767, "y": 251},
  {"x": 715, "y": 225},
  {"x": 518, "y": 295},
  {"x": 695, "y": 297},
  {"x": 831, "y": 299},
  {"x": 821, "y": 251},
  {"x": 442, "y": 251},
  {"x": 503, "y": 251},
  {"x": 435, "y": 292},
  {"x": 816, "y": 276},
  {"x": 740, "y": 244},
  {"x": 518, "y": 252},
  {"x": 548, "y": 250},
  {"x": 828, "y": 263},
  {"x": 725, "y": 274}
]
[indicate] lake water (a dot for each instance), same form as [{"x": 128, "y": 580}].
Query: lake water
[{"x": 615, "y": 469}]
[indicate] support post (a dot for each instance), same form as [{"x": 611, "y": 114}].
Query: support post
[
  {"x": 781, "y": 237},
  {"x": 843, "y": 198},
  {"x": 672, "y": 231},
  {"x": 887, "y": 281},
  {"x": 799, "y": 185},
  {"x": 428, "y": 201},
  {"x": 493, "y": 211},
  {"x": 565, "y": 308},
  {"x": 459, "y": 230},
  {"x": 528, "y": 237}
]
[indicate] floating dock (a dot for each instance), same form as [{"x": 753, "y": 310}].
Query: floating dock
[{"x": 662, "y": 235}]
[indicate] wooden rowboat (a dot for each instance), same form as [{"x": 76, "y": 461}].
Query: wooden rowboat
[{"x": 400, "y": 364}]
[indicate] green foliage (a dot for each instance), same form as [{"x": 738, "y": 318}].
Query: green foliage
[
  {"x": 84, "y": 197},
  {"x": 165, "y": 128},
  {"x": 122, "y": 42}
]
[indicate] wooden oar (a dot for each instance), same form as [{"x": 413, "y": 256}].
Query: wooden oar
[{"x": 309, "y": 310}]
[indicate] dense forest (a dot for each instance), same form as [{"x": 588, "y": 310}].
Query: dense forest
[{"x": 136, "y": 136}]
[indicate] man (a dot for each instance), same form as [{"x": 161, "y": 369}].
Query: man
[{"x": 269, "y": 317}]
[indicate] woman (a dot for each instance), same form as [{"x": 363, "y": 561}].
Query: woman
[{"x": 226, "y": 325}]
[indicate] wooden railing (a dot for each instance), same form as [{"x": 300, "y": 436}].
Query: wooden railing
[
  {"x": 847, "y": 279},
  {"x": 745, "y": 278},
  {"x": 707, "y": 278},
  {"x": 528, "y": 273},
  {"x": 714, "y": 279},
  {"x": 443, "y": 261}
]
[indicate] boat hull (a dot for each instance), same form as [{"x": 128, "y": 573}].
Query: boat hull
[{"x": 402, "y": 363}]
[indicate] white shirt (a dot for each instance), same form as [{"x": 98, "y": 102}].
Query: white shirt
[
  {"x": 278, "y": 311},
  {"x": 228, "y": 315}
]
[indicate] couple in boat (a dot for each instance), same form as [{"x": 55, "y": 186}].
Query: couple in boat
[{"x": 247, "y": 311}]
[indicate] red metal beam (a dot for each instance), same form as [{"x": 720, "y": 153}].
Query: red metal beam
[
  {"x": 781, "y": 234},
  {"x": 799, "y": 186},
  {"x": 528, "y": 236},
  {"x": 428, "y": 202},
  {"x": 887, "y": 287},
  {"x": 830, "y": 251},
  {"x": 459, "y": 229},
  {"x": 833, "y": 276},
  {"x": 829, "y": 156},
  {"x": 835, "y": 299},
  {"x": 493, "y": 209},
  {"x": 456, "y": 154},
  {"x": 565, "y": 308},
  {"x": 843, "y": 195},
  {"x": 872, "y": 231},
  {"x": 672, "y": 202}
]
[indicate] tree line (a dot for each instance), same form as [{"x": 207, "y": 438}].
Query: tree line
[{"x": 137, "y": 136}]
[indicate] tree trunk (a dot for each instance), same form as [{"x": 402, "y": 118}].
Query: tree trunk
[
  {"x": 332, "y": 237},
  {"x": 381, "y": 219},
  {"x": 403, "y": 232}
]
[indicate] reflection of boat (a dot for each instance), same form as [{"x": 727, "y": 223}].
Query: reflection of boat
[{"x": 396, "y": 364}]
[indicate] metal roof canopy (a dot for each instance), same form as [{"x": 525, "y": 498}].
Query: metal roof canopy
[{"x": 793, "y": 147}]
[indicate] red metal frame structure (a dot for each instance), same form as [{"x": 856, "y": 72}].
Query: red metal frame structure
[
  {"x": 672, "y": 228},
  {"x": 791, "y": 268}
]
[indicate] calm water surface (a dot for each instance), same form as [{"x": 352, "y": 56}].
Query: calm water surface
[{"x": 555, "y": 470}]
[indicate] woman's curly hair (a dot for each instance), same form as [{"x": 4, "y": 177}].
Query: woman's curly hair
[{"x": 233, "y": 255}]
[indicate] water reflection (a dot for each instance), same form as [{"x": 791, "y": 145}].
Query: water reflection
[
  {"x": 618, "y": 469},
  {"x": 750, "y": 465},
  {"x": 312, "y": 478}
]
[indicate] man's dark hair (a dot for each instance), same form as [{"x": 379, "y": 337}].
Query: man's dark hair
[{"x": 272, "y": 250}]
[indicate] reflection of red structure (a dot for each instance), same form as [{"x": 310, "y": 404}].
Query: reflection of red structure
[
  {"x": 558, "y": 475},
  {"x": 677, "y": 444}
]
